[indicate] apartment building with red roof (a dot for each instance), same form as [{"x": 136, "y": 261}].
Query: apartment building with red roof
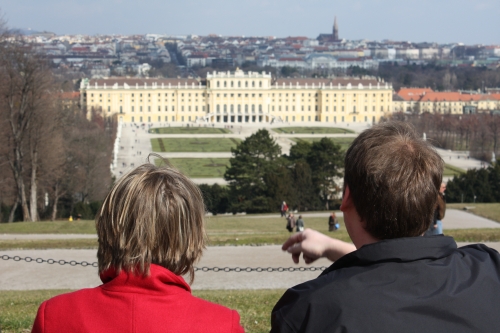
[{"x": 452, "y": 102}]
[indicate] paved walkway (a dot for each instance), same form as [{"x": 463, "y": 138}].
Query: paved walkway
[
  {"x": 454, "y": 219},
  {"x": 22, "y": 275},
  {"x": 31, "y": 276}
]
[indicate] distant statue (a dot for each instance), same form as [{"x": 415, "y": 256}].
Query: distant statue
[
  {"x": 493, "y": 157},
  {"x": 425, "y": 137}
]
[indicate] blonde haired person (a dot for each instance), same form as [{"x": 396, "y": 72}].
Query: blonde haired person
[{"x": 150, "y": 231}]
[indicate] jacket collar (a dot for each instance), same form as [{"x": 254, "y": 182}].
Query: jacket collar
[
  {"x": 397, "y": 250},
  {"x": 160, "y": 280}
]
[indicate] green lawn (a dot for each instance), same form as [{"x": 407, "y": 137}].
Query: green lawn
[
  {"x": 193, "y": 145},
  {"x": 450, "y": 170},
  {"x": 188, "y": 130},
  {"x": 199, "y": 167},
  {"x": 222, "y": 230},
  {"x": 312, "y": 130},
  {"x": 18, "y": 308},
  {"x": 343, "y": 142},
  {"x": 49, "y": 227}
]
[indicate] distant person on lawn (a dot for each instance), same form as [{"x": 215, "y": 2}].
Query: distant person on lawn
[
  {"x": 151, "y": 231},
  {"x": 290, "y": 222},
  {"x": 436, "y": 227},
  {"x": 300, "y": 224},
  {"x": 333, "y": 222},
  {"x": 284, "y": 209}
]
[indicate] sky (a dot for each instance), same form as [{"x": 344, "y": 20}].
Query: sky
[{"x": 441, "y": 21}]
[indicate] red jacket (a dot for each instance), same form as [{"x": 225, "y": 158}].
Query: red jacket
[{"x": 161, "y": 302}]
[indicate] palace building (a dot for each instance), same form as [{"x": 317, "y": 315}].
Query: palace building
[{"x": 238, "y": 97}]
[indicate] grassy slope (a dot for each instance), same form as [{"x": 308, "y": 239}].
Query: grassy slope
[
  {"x": 450, "y": 170},
  {"x": 222, "y": 230},
  {"x": 199, "y": 167},
  {"x": 310, "y": 130},
  {"x": 188, "y": 130},
  {"x": 194, "y": 144},
  {"x": 343, "y": 142}
]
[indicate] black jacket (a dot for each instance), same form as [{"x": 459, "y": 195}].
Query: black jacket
[{"x": 417, "y": 284}]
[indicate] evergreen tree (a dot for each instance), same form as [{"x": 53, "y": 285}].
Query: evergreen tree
[
  {"x": 252, "y": 160},
  {"x": 280, "y": 185},
  {"x": 326, "y": 160},
  {"x": 306, "y": 197},
  {"x": 216, "y": 198},
  {"x": 300, "y": 150},
  {"x": 476, "y": 185}
]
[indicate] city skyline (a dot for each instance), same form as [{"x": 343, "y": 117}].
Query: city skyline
[{"x": 442, "y": 21}]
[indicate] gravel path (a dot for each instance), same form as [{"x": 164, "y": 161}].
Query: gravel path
[
  {"x": 30, "y": 275},
  {"x": 27, "y": 276},
  {"x": 454, "y": 219}
]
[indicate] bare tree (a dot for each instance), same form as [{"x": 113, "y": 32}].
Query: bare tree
[{"x": 25, "y": 87}]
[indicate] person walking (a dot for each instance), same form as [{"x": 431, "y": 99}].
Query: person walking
[
  {"x": 300, "y": 224},
  {"x": 290, "y": 224},
  {"x": 284, "y": 209},
  {"x": 436, "y": 228}
]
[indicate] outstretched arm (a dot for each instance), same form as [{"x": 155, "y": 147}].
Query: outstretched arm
[{"x": 314, "y": 245}]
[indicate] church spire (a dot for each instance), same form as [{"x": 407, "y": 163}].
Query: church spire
[{"x": 335, "y": 29}]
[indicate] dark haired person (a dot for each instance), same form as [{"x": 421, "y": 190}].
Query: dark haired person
[
  {"x": 391, "y": 279},
  {"x": 151, "y": 230},
  {"x": 436, "y": 227}
]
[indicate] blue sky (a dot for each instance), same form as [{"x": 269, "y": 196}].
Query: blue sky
[{"x": 443, "y": 21}]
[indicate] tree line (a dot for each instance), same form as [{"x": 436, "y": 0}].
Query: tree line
[
  {"x": 260, "y": 177},
  {"x": 477, "y": 134},
  {"x": 476, "y": 185},
  {"x": 53, "y": 161}
]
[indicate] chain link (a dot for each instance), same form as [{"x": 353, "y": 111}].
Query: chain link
[{"x": 203, "y": 269}]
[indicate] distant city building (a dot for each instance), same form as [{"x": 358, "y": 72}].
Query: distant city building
[
  {"x": 448, "y": 102},
  {"x": 238, "y": 97},
  {"x": 334, "y": 37}
]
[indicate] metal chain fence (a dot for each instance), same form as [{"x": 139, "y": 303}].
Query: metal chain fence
[{"x": 203, "y": 269}]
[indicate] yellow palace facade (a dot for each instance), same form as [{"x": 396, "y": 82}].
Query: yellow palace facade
[{"x": 238, "y": 98}]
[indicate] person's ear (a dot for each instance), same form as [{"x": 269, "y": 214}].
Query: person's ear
[{"x": 346, "y": 199}]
